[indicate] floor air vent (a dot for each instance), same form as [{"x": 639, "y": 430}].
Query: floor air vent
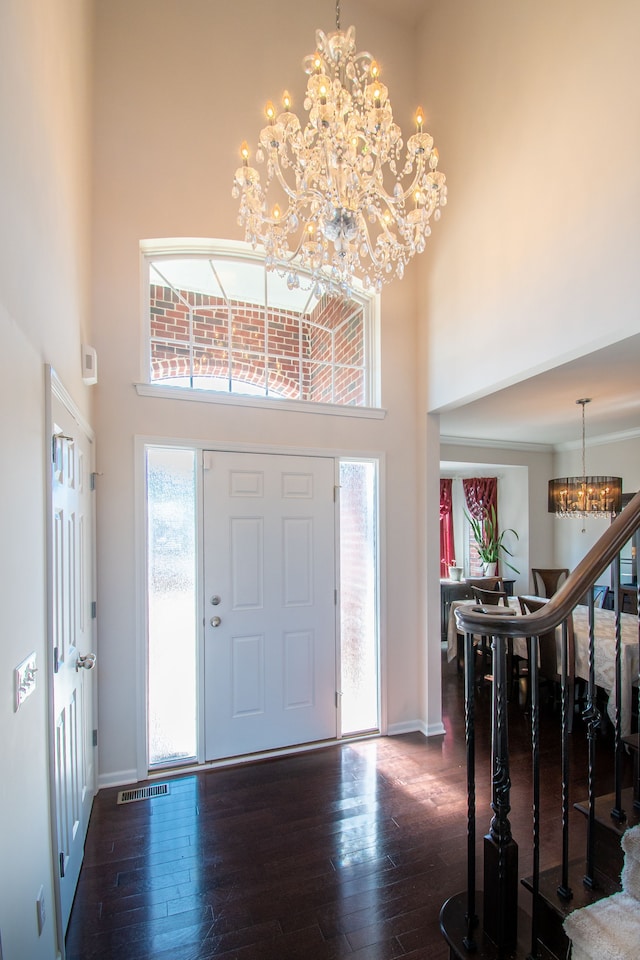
[{"x": 143, "y": 793}]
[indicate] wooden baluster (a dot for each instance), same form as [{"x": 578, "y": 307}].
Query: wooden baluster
[
  {"x": 469, "y": 721},
  {"x": 564, "y": 890},
  {"x": 500, "y": 849}
]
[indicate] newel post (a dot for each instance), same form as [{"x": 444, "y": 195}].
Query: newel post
[{"x": 500, "y": 849}]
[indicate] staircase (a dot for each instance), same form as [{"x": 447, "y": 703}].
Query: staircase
[{"x": 538, "y": 917}]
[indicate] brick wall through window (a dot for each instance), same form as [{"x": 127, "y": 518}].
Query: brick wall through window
[{"x": 318, "y": 356}]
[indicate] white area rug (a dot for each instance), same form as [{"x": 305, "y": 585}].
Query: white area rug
[
  {"x": 630, "y": 875},
  {"x": 606, "y": 930}
]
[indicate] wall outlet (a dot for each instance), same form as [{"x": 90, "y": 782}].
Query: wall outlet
[{"x": 40, "y": 911}]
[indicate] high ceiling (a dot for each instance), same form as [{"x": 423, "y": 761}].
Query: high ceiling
[{"x": 543, "y": 408}]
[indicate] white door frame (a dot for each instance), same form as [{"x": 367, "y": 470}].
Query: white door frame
[
  {"x": 54, "y": 387},
  {"x": 142, "y": 625}
]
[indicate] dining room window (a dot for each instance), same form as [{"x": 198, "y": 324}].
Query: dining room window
[{"x": 218, "y": 320}]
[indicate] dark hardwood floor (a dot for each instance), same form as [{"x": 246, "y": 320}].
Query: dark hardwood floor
[{"x": 347, "y": 851}]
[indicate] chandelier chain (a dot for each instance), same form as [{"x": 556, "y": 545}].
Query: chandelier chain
[
  {"x": 337, "y": 14},
  {"x": 584, "y": 467}
]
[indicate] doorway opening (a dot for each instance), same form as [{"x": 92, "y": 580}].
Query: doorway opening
[{"x": 173, "y": 543}]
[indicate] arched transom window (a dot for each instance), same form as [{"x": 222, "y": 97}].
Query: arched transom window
[{"x": 219, "y": 321}]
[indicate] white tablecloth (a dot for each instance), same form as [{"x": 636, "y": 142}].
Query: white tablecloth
[{"x": 604, "y": 632}]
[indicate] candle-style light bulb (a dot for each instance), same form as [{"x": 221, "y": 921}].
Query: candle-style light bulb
[
  {"x": 286, "y": 100},
  {"x": 276, "y": 213},
  {"x": 269, "y": 111},
  {"x": 244, "y": 152},
  {"x": 374, "y": 69},
  {"x": 419, "y": 119}
]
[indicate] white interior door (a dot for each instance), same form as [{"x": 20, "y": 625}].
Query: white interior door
[
  {"x": 270, "y": 614},
  {"x": 72, "y": 638}
]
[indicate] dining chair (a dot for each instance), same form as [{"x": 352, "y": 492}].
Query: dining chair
[
  {"x": 600, "y": 594},
  {"x": 628, "y": 599},
  {"x": 492, "y": 597},
  {"x": 546, "y": 580},
  {"x": 548, "y": 653},
  {"x": 485, "y": 583}
]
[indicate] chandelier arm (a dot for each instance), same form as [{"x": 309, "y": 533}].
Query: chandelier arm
[{"x": 310, "y": 192}]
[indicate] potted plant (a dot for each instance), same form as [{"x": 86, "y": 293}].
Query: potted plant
[{"x": 489, "y": 542}]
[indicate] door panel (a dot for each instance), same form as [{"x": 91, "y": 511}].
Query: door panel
[
  {"x": 270, "y": 645},
  {"x": 71, "y": 577}
]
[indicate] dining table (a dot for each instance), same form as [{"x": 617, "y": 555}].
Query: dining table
[{"x": 605, "y": 649}]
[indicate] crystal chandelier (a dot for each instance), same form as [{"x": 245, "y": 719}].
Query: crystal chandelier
[
  {"x": 585, "y": 496},
  {"x": 346, "y": 203}
]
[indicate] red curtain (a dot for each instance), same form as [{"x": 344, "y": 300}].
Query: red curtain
[
  {"x": 447, "y": 549},
  {"x": 481, "y": 493}
]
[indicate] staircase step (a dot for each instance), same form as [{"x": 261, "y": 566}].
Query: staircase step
[
  {"x": 632, "y": 746},
  {"x": 552, "y": 908},
  {"x": 453, "y": 926},
  {"x": 607, "y": 852},
  {"x": 604, "y": 806}
]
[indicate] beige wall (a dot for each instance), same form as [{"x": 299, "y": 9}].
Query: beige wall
[
  {"x": 44, "y": 316},
  {"x": 536, "y": 110}
]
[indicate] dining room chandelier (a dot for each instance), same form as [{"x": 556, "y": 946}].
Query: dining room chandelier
[
  {"x": 343, "y": 204},
  {"x": 585, "y": 496}
]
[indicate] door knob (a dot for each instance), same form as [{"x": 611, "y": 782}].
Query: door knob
[
  {"x": 215, "y": 621},
  {"x": 88, "y": 661}
]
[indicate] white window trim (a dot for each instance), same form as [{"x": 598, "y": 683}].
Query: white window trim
[
  {"x": 175, "y": 247},
  {"x": 264, "y": 403}
]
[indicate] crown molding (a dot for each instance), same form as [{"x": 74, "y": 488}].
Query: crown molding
[
  {"x": 497, "y": 444},
  {"x": 620, "y": 437},
  {"x": 600, "y": 440}
]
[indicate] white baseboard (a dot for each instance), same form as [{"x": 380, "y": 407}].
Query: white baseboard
[
  {"x": 416, "y": 726},
  {"x": 435, "y": 729},
  {"x": 119, "y": 778}
]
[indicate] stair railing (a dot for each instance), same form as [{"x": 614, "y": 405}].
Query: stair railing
[{"x": 501, "y": 915}]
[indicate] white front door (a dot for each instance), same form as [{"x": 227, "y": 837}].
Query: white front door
[
  {"x": 72, "y": 638},
  {"x": 269, "y": 592}
]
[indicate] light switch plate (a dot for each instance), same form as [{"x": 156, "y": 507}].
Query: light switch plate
[{"x": 24, "y": 679}]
